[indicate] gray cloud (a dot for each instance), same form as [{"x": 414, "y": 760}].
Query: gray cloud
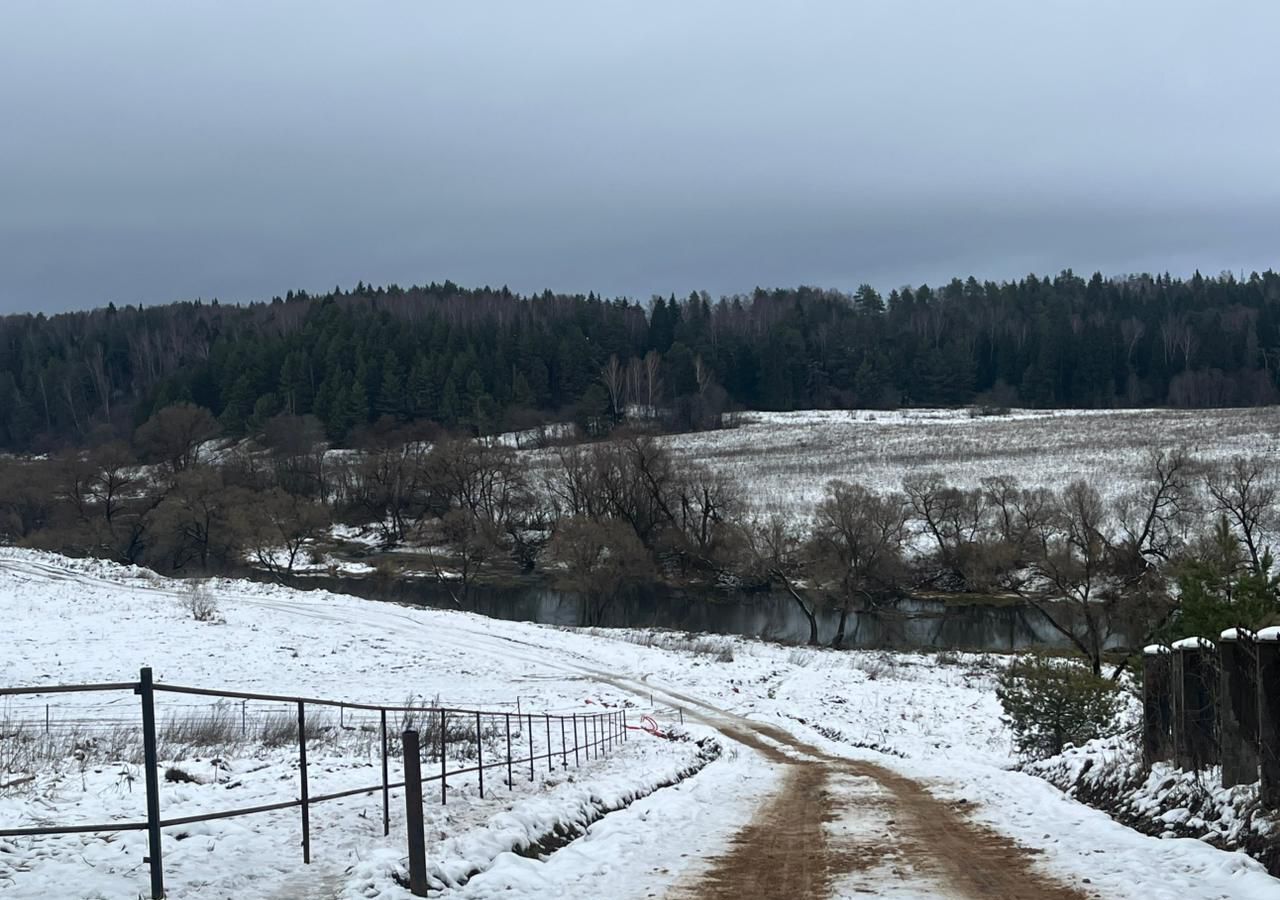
[{"x": 151, "y": 151}]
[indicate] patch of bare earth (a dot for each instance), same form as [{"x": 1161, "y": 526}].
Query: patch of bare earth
[{"x": 792, "y": 849}]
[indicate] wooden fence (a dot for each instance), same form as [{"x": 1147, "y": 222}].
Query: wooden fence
[{"x": 1209, "y": 703}]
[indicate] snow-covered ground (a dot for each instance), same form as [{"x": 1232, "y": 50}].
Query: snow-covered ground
[
  {"x": 931, "y": 718},
  {"x": 784, "y": 460},
  {"x": 1164, "y": 800}
]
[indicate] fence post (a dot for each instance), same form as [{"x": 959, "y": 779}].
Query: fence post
[
  {"x": 625, "y": 737},
  {"x": 386, "y": 782},
  {"x": 154, "y": 856},
  {"x": 577, "y": 761},
  {"x": 532, "y": 776},
  {"x": 1195, "y": 690},
  {"x": 479, "y": 755},
  {"x": 413, "y": 814},
  {"x": 244, "y": 718},
  {"x": 1238, "y": 707},
  {"x": 306, "y": 801},
  {"x": 1269, "y": 716},
  {"x": 1157, "y": 704},
  {"x": 444, "y": 768},
  {"x": 511, "y": 782},
  {"x": 564, "y": 746},
  {"x": 551, "y": 766}
]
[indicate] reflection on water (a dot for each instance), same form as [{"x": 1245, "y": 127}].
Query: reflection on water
[{"x": 907, "y": 623}]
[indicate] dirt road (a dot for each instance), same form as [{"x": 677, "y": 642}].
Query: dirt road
[{"x": 844, "y": 828}]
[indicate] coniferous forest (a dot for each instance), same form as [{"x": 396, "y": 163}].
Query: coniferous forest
[{"x": 486, "y": 359}]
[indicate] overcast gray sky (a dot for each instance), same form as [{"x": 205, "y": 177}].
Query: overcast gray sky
[{"x": 152, "y": 151}]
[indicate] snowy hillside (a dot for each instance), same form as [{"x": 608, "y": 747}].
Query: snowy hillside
[
  {"x": 903, "y": 753},
  {"x": 786, "y": 459}
]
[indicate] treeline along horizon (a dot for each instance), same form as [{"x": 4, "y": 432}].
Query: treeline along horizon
[{"x": 488, "y": 359}]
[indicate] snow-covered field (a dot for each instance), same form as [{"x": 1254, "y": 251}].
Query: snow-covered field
[
  {"x": 784, "y": 460},
  {"x": 931, "y": 718}
]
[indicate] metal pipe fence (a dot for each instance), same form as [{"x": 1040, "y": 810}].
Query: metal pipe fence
[{"x": 464, "y": 742}]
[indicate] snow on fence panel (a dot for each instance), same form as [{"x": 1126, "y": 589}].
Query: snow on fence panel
[
  {"x": 452, "y": 743},
  {"x": 1207, "y": 704}
]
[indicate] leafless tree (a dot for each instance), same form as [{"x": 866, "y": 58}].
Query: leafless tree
[
  {"x": 635, "y": 381},
  {"x": 1153, "y": 516},
  {"x": 95, "y": 363},
  {"x": 858, "y": 536},
  {"x": 598, "y": 560},
  {"x": 703, "y": 375},
  {"x": 708, "y": 507},
  {"x": 393, "y": 487},
  {"x": 275, "y": 526},
  {"x": 69, "y": 390},
  {"x": 953, "y": 518},
  {"x": 1244, "y": 490},
  {"x": 1019, "y": 516},
  {"x": 652, "y": 382},
  {"x": 684, "y": 513},
  {"x": 1075, "y": 589},
  {"x": 472, "y": 542},
  {"x": 175, "y": 434},
  {"x": 1132, "y": 331},
  {"x": 194, "y": 521},
  {"x": 774, "y": 552},
  {"x": 298, "y": 453},
  {"x": 28, "y": 497},
  {"x": 631, "y": 479},
  {"x": 109, "y": 495},
  {"x": 486, "y": 480},
  {"x": 614, "y": 376},
  {"x": 1171, "y": 330}
]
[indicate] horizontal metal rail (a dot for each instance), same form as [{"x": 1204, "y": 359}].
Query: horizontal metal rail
[
  {"x": 318, "y": 701},
  {"x": 268, "y": 698},
  {"x": 69, "y": 688},
  {"x": 72, "y": 829}
]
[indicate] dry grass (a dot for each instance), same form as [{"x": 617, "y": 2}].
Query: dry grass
[
  {"x": 221, "y": 730},
  {"x": 229, "y": 730},
  {"x": 785, "y": 460},
  {"x": 721, "y": 649},
  {"x": 202, "y": 603}
]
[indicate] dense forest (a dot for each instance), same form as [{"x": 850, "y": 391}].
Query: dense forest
[{"x": 486, "y": 359}]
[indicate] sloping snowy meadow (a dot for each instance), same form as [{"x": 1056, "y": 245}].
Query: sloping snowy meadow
[
  {"x": 784, "y": 460},
  {"x": 931, "y": 717}
]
